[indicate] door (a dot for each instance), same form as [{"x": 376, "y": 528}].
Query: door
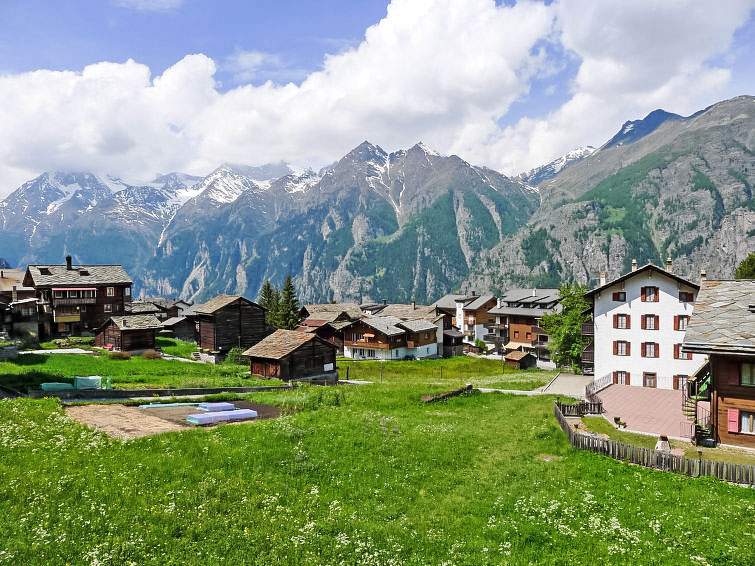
[{"x": 648, "y": 379}]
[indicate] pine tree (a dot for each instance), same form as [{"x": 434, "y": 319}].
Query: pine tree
[
  {"x": 265, "y": 297},
  {"x": 269, "y": 298},
  {"x": 746, "y": 269},
  {"x": 273, "y": 317},
  {"x": 289, "y": 305}
]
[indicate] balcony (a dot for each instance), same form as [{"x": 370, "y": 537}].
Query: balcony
[
  {"x": 588, "y": 329},
  {"x": 74, "y": 301}
]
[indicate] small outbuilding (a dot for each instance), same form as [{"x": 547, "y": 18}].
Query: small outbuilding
[
  {"x": 229, "y": 321},
  {"x": 520, "y": 360},
  {"x": 125, "y": 333},
  {"x": 179, "y": 327},
  {"x": 288, "y": 354}
]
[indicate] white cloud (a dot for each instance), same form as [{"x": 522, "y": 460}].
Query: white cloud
[
  {"x": 444, "y": 72},
  {"x": 150, "y": 5}
]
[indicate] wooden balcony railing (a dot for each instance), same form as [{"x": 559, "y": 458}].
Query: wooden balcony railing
[
  {"x": 588, "y": 329},
  {"x": 74, "y": 301}
]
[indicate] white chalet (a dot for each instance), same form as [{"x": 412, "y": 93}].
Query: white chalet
[{"x": 637, "y": 327}]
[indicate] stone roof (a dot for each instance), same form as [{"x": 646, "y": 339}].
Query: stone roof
[
  {"x": 723, "y": 320},
  {"x": 418, "y": 325},
  {"x": 217, "y": 303},
  {"x": 448, "y": 301},
  {"x": 479, "y": 302},
  {"x": 136, "y": 322},
  {"x": 10, "y": 278},
  {"x": 78, "y": 275},
  {"x": 172, "y": 321},
  {"x": 388, "y": 325},
  {"x": 164, "y": 303},
  {"x": 351, "y": 309},
  {"x": 140, "y": 307},
  {"x": 524, "y": 311},
  {"x": 407, "y": 312},
  {"x": 279, "y": 344}
]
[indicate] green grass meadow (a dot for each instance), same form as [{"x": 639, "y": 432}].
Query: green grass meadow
[{"x": 354, "y": 475}]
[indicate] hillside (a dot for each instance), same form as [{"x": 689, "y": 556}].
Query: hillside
[{"x": 683, "y": 190}]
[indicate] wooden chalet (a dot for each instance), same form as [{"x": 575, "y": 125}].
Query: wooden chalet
[
  {"x": 520, "y": 360},
  {"x": 723, "y": 326},
  {"x": 390, "y": 338},
  {"x": 328, "y": 325},
  {"x": 288, "y": 354},
  {"x": 77, "y": 299},
  {"x": 229, "y": 321},
  {"x": 18, "y": 304},
  {"x": 179, "y": 327},
  {"x": 167, "y": 308},
  {"x": 128, "y": 333}
]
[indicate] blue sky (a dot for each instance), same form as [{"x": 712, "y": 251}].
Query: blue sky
[{"x": 140, "y": 87}]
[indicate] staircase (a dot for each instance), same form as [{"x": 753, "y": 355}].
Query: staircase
[
  {"x": 698, "y": 389},
  {"x": 196, "y": 356}
]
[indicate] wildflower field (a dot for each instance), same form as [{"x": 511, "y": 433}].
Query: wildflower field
[{"x": 353, "y": 475}]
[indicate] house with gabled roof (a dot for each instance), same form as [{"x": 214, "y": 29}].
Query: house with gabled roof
[
  {"x": 77, "y": 299},
  {"x": 288, "y": 354},
  {"x": 128, "y": 333},
  {"x": 390, "y": 338},
  {"x": 517, "y": 321},
  {"x": 228, "y": 321},
  {"x": 328, "y": 325},
  {"x": 636, "y": 328},
  {"x": 723, "y": 328}
]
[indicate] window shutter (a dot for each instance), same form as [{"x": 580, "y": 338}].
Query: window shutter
[
  {"x": 616, "y": 321},
  {"x": 615, "y": 377},
  {"x": 657, "y": 322},
  {"x": 733, "y": 419},
  {"x": 656, "y": 350},
  {"x": 629, "y": 325},
  {"x": 626, "y": 381},
  {"x": 656, "y": 295},
  {"x": 733, "y": 370},
  {"x": 615, "y": 296},
  {"x": 615, "y": 347},
  {"x": 676, "y": 322},
  {"x": 676, "y": 351},
  {"x": 643, "y": 294},
  {"x": 642, "y": 349},
  {"x": 629, "y": 349},
  {"x": 643, "y": 322}
]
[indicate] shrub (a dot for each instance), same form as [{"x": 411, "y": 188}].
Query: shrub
[
  {"x": 120, "y": 356},
  {"x": 481, "y": 345},
  {"x": 151, "y": 355},
  {"x": 235, "y": 356}
]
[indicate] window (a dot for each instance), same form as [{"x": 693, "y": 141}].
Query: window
[
  {"x": 747, "y": 374},
  {"x": 58, "y": 294},
  {"x": 620, "y": 296},
  {"x": 127, "y": 291},
  {"x": 650, "y": 294},
  {"x": 649, "y": 379},
  {"x": 680, "y": 381},
  {"x": 516, "y": 334},
  {"x": 427, "y": 335},
  {"x": 621, "y": 321},
  {"x": 356, "y": 337},
  {"x": 111, "y": 291},
  {"x": 108, "y": 308},
  {"x": 88, "y": 294},
  {"x": 686, "y": 297},
  {"x": 649, "y": 321},
  {"x": 73, "y": 294},
  {"x": 529, "y": 336},
  {"x": 746, "y": 422},
  {"x": 621, "y": 348},
  {"x": 680, "y": 322},
  {"x": 649, "y": 350},
  {"x": 621, "y": 377},
  {"x": 679, "y": 355}
]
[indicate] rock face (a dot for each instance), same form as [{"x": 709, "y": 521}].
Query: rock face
[
  {"x": 405, "y": 226},
  {"x": 683, "y": 190}
]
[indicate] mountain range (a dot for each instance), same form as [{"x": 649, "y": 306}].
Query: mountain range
[{"x": 412, "y": 224}]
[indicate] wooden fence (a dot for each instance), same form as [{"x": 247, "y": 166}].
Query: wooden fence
[
  {"x": 581, "y": 409},
  {"x": 656, "y": 459}
]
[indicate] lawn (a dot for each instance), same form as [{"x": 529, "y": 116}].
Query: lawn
[
  {"x": 30, "y": 370},
  {"x": 354, "y": 475},
  {"x": 175, "y": 347}
]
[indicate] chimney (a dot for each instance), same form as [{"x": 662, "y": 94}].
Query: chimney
[
  {"x": 534, "y": 291},
  {"x": 634, "y": 265},
  {"x": 68, "y": 263},
  {"x": 385, "y": 301},
  {"x": 703, "y": 275},
  {"x": 668, "y": 265},
  {"x": 603, "y": 275},
  {"x": 498, "y": 302},
  {"x": 414, "y": 306}
]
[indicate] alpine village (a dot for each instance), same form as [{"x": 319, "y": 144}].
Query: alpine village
[{"x": 399, "y": 358}]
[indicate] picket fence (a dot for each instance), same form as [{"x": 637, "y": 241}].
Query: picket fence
[{"x": 656, "y": 459}]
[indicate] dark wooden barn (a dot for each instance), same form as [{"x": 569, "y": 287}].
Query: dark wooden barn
[
  {"x": 288, "y": 354},
  {"x": 520, "y": 360},
  {"x": 179, "y": 327},
  {"x": 229, "y": 321},
  {"x": 128, "y": 333}
]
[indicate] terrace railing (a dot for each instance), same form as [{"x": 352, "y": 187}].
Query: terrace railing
[
  {"x": 592, "y": 389},
  {"x": 656, "y": 459}
]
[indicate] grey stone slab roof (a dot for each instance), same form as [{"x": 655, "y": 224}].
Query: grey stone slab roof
[
  {"x": 140, "y": 307},
  {"x": 172, "y": 321},
  {"x": 407, "y": 312},
  {"x": 539, "y": 295},
  {"x": 723, "y": 320},
  {"x": 418, "y": 325},
  {"x": 217, "y": 303},
  {"x": 352, "y": 309},
  {"x": 136, "y": 322},
  {"x": 279, "y": 344},
  {"x": 448, "y": 301},
  {"x": 523, "y": 311},
  {"x": 479, "y": 302},
  {"x": 77, "y": 276},
  {"x": 388, "y": 325}
]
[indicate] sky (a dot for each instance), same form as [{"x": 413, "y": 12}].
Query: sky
[{"x": 136, "y": 88}]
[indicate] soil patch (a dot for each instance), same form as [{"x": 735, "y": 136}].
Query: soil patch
[{"x": 121, "y": 421}]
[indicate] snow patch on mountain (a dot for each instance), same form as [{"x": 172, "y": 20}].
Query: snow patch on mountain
[{"x": 538, "y": 175}]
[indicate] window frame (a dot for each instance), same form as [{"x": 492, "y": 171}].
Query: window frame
[
  {"x": 110, "y": 292},
  {"x": 742, "y": 374},
  {"x": 108, "y": 307}
]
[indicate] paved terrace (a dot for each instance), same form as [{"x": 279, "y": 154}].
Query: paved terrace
[{"x": 644, "y": 409}]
